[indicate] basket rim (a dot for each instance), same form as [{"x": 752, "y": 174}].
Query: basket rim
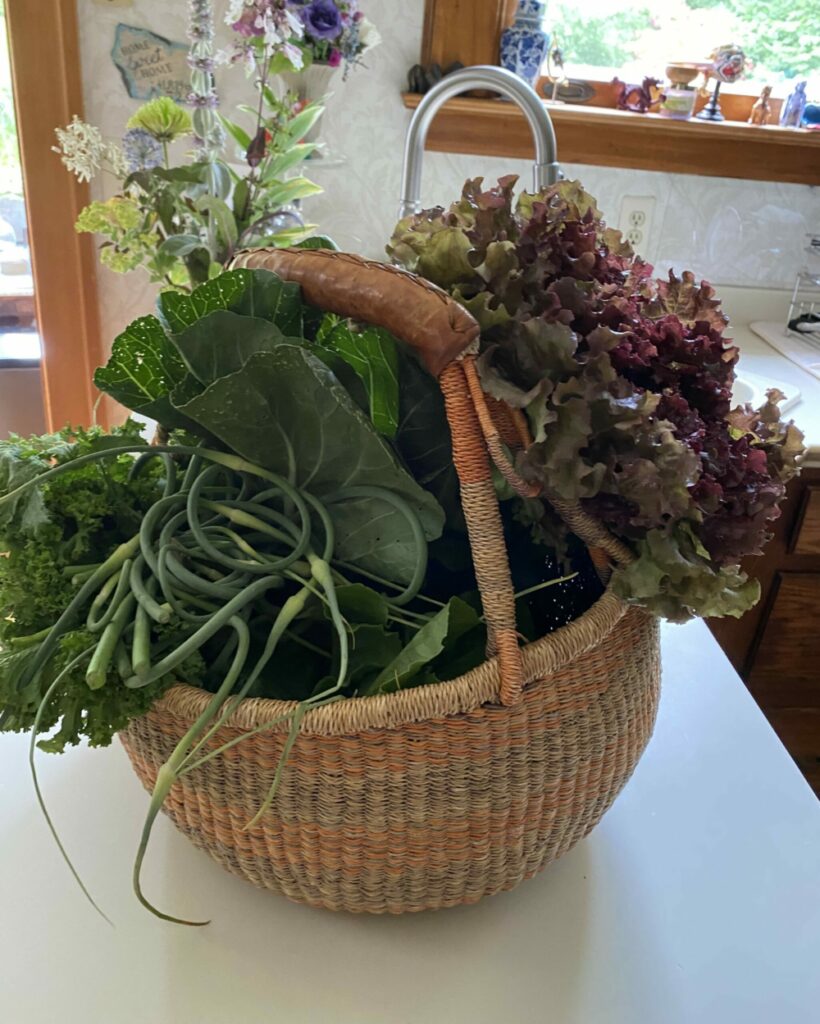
[{"x": 461, "y": 695}]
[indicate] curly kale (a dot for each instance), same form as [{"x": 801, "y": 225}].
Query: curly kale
[{"x": 76, "y": 519}]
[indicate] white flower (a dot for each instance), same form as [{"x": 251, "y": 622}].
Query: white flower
[
  {"x": 116, "y": 159},
  {"x": 234, "y": 12},
  {"x": 81, "y": 148},
  {"x": 369, "y": 35},
  {"x": 294, "y": 55},
  {"x": 295, "y": 24}
]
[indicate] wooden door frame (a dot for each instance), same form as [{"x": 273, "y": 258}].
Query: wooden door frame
[{"x": 45, "y": 67}]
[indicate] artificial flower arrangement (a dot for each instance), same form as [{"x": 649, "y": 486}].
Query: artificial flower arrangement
[
  {"x": 305, "y": 32},
  {"x": 336, "y": 32},
  {"x": 299, "y": 533}
]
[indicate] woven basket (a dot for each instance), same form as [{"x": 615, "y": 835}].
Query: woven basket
[{"x": 442, "y": 794}]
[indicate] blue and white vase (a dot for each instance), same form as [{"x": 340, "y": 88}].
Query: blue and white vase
[{"x": 525, "y": 44}]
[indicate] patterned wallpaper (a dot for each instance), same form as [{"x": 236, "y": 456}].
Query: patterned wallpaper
[{"x": 730, "y": 232}]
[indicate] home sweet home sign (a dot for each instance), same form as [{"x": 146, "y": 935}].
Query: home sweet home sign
[{"x": 151, "y": 65}]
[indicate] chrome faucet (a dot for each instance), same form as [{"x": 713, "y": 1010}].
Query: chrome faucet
[{"x": 482, "y": 76}]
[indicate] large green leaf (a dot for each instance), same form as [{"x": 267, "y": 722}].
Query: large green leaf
[
  {"x": 371, "y": 352},
  {"x": 143, "y": 370},
  {"x": 249, "y": 292},
  {"x": 423, "y": 436},
  {"x": 14, "y": 472},
  {"x": 222, "y": 342},
  {"x": 269, "y": 297},
  {"x": 439, "y": 635},
  {"x": 285, "y": 410},
  {"x": 372, "y": 648}
]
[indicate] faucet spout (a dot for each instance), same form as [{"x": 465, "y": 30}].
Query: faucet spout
[{"x": 482, "y": 76}]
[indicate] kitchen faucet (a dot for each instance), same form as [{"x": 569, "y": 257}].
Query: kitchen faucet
[{"x": 481, "y": 76}]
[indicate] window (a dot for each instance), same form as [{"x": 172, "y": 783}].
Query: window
[
  {"x": 19, "y": 341},
  {"x": 634, "y": 38}
]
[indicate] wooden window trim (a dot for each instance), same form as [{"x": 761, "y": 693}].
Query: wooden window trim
[
  {"x": 596, "y": 132},
  {"x": 45, "y": 66}
]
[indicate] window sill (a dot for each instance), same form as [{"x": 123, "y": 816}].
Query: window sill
[{"x": 618, "y": 138}]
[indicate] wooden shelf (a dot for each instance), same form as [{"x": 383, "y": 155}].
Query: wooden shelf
[{"x": 617, "y": 138}]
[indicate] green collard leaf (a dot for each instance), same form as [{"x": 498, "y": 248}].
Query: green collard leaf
[
  {"x": 423, "y": 436},
  {"x": 270, "y": 298},
  {"x": 178, "y": 311},
  {"x": 258, "y": 293},
  {"x": 441, "y": 632},
  {"x": 371, "y": 352},
  {"x": 143, "y": 370},
  {"x": 286, "y": 411},
  {"x": 372, "y": 648},
  {"x": 222, "y": 342}
]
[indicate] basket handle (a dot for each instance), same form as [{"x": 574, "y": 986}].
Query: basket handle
[{"x": 435, "y": 326}]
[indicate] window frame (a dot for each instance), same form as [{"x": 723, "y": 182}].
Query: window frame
[{"x": 47, "y": 83}]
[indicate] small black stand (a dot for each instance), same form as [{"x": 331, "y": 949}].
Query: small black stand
[{"x": 711, "y": 112}]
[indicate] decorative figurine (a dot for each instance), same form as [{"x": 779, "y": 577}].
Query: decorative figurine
[
  {"x": 640, "y": 99},
  {"x": 761, "y": 111},
  {"x": 555, "y": 74},
  {"x": 422, "y": 80},
  {"x": 525, "y": 44},
  {"x": 728, "y": 64},
  {"x": 791, "y": 116},
  {"x": 680, "y": 94}
]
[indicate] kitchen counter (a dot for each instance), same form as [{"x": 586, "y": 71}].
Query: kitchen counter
[
  {"x": 696, "y": 901},
  {"x": 747, "y": 305}
]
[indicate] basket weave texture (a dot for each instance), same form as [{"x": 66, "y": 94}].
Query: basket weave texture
[
  {"x": 438, "y": 810},
  {"x": 441, "y": 794}
]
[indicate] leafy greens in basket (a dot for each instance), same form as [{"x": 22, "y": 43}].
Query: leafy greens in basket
[
  {"x": 626, "y": 383},
  {"x": 285, "y": 540}
]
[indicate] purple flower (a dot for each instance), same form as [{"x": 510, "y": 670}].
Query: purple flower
[
  {"x": 141, "y": 149},
  {"x": 335, "y": 58},
  {"x": 249, "y": 24},
  {"x": 322, "y": 19}
]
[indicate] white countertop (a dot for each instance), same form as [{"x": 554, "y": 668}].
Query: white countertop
[
  {"x": 696, "y": 901},
  {"x": 745, "y": 306}
]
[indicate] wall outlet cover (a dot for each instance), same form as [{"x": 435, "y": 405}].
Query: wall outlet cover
[{"x": 635, "y": 220}]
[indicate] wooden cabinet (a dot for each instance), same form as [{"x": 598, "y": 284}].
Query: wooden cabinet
[{"x": 776, "y": 646}]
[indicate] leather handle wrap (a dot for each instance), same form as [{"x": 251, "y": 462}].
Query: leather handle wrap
[
  {"x": 412, "y": 309},
  {"x": 440, "y": 331}
]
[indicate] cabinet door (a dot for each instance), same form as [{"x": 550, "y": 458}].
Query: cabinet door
[
  {"x": 807, "y": 535},
  {"x": 785, "y": 676},
  {"x": 786, "y": 669},
  {"x": 465, "y": 30}
]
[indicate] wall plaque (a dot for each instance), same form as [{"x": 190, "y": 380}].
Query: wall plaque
[{"x": 151, "y": 65}]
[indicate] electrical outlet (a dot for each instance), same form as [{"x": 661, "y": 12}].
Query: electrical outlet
[{"x": 635, "y": 221}]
